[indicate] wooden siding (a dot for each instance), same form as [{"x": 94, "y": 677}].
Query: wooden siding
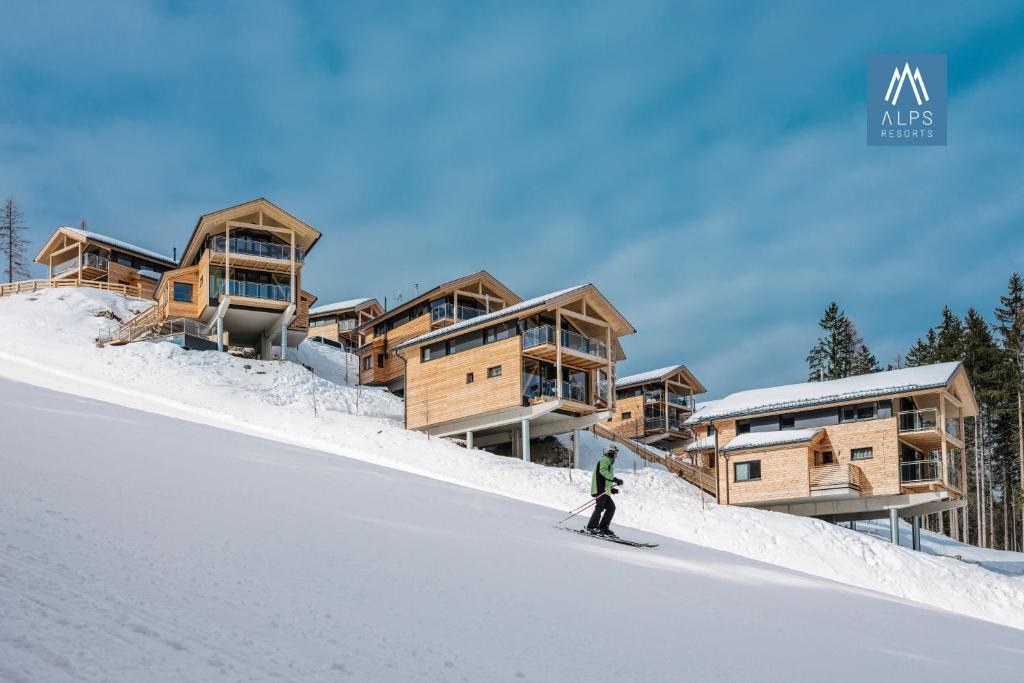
[
  {"x": 634, "y": 426},
  {"x": 393, "y": 365},
  {"x": 784, "y": 474},
  {"x": 436, "y": 391}
]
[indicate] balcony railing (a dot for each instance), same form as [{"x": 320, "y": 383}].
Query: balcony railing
[
  {"x": 65, "y": 266},
  {"x": 545, "y": 334},
  {"x": 918, "y": 420},
  {"x": 659, "y": 423},
  {"x": 89, "y": 260},
  {"x": 547, "y": 388},
  {"x": 248, "y": 247},
  {"x": 915, "y": 471},
  {"x": 835, "y": 476},
  {"x": 653, "y": 395},
  {"x": 680, "y": 400},
  {"x": 346, "y": 325},
  {"x": 258, "y": 290}
]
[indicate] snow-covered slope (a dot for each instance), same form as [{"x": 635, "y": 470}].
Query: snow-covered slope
[
  {"x": 48, "y": 338},
  {"x": 178, "y": 552}
]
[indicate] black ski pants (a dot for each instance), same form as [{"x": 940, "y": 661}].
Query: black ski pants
[{"x": 604, "y": 505}]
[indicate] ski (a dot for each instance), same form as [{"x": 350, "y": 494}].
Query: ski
[{"x": 610, "y": 539}]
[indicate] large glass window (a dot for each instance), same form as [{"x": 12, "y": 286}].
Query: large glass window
[
  {"x": 183, "y": 291},
  {"x": 861, "y": 411}
]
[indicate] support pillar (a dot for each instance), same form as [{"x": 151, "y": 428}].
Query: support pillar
[
  {"x": 284, "y": 337},
  {"x": 469, "y": 440},
  {"x": 220, "y": 334},
  {"x": 526, "y": 440},
  {"x": 853, "y": 525},
  {"x": 894, "y": 525},
  {"x": 575, "y": 448},
  {"x": 915, "y": 534}
]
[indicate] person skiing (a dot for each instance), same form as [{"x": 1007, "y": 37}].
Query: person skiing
[{"x": 602, "y": 487}]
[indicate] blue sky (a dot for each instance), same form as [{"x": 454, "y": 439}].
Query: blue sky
[{"x": 705, "y": 166}]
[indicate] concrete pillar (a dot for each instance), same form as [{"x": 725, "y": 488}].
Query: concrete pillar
[
  {"x": 284, "y": 338},
  {"x": 853, "y": 525},
  {"x": 220, "y": 334},
  {"x": 894, "y": 525},
  {"x": 915, "y": 535},
  {"x": 575, "y": 448},
  {"x": 526, "y": 440},
  {"x": 469, "y": 440}
]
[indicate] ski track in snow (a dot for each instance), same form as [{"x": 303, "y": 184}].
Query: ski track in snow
[{"x": 48, "y": 341}]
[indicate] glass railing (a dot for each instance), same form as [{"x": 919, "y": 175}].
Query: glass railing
[
  {"x": 247, "y": 247},
  {"x": 570, "y": 390},
  {"x": 94, "y": 261},
  {"x": 912, "y": 471},
  {"x": 469, "y": 312},
  {"x": 545, "y": 334},
  {"x": 680, "y": 400},
  {"x": 442, "y": 312},
  {"x": 953, "y": 427},
  {"x": 653, "y": 395},
  {"x": 918, "y": 420},
  {"x": 535, "y": 336},
  {"x": 65, "y": 266},
  {"x": 258, "y": 290},
  {"x": 346, "y": 325}
]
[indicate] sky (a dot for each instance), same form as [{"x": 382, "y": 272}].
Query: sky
[{"x": 704, "y": 165}]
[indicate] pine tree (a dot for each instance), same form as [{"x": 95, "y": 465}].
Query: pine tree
[
  {"x": 841, "y": 351},
  {"x": 949, "y": 338},
  {"x": 13, "y": 244},
  {"x": 864, "y": 361},
  {"x": 922, "y": 352},
  {"x": 1010, "y": 326}
]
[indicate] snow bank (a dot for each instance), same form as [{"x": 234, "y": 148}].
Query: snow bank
[{"x": 48, "y": 340}]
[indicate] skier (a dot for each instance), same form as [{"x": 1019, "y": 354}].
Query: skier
[{"x": 602, "y": 487}]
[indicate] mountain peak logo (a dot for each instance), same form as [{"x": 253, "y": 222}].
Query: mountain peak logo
[
  {"x": 906, "y": 100},
  {"x": 915, "y": 81}
]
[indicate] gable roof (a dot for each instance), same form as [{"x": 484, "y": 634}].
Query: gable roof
[
  {"x": 341, "y": 306},
  {"x": 79, "y": 233},
  {"x": 661, "y": 374},
  {"x": 789, "y": 396},
  {"x": 493, "y": 282},
  {"x": 546, "y": 300}
]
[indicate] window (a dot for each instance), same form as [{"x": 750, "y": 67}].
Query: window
[
  {"x": 827, "y": 458},
  {"x": 435, "y": 350},
  {"x": 863, "y": 411},
  {"x": 862, "y": 453},
  {"x": 787, "y": 421},
  {"x": 499, "y": 332},
  {"x": 626, "y": 415},
  {"x": 469, "y": 378},
  {"x": 743, "y": 427},
  {"x": 367, "y": 362},
  {"x": 380, "y": 360},
  {"x": 711, "y": 430},
  {"x": 748, "y": 471},
  {"x": 494, "y": 372},
  {"x": 183, "y": 291}
]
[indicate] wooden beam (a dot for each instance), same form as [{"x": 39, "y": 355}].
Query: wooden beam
[
  {"x": 584, "y": 318},
  {"x": 943, "y": 475},
  {"x": 558, "y": 353},
  {"x": 611, "y": 381}
]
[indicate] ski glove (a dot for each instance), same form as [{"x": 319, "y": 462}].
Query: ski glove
[
  {"x": 617, "y": 481},
  {"x": 614, "y": 490}
]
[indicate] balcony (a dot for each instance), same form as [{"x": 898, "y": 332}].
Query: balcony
[
  {"x": 346, "y": 325},
  {"x": 918, "y": 420},
  {"x": 653, "y": 396},
  {"x": 247, "y": 247},
  {"x": 659, "y": 423},
  {"x": 680, "y": 400},
  {"x": 447, "y": 311},
  {"x": 835, "y": 480},
  {"x": 920, "y": 471},
  {"x": 89, "y": 260},
  {"x": 257, "y": 290},
  {"x": 586, "y": 352},
  {"x": 547, "y": 389}
]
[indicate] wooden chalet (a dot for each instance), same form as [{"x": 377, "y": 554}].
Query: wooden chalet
[
  {"x": 652, "y": 407},
  {"x": 339, "y": 322},
  {"x": 886, "y": 444},
  {"x": 453, "y": 302},
  {"x": 79, "y": 255},
  {"x": 239, "y": 284},
  {"x": 536, "y": 368}
]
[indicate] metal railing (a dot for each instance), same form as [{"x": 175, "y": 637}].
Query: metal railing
[
  {"x": 545, "y": 334},
  {"x": 912, "y": 471},
  {"x": 918, "y": 420},
  {"x": 250, "y": 247},
  {"x": 257, "y": 290}
]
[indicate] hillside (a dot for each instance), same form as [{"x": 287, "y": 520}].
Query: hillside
[
  {"x": 179, "y": 552},
  {"x": 48, "y": 341}
]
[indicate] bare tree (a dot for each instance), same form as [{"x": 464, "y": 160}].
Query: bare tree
[{"x": 13, "y": 244}]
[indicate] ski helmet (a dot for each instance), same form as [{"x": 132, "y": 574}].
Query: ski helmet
[{"x": 611, "y": 451}]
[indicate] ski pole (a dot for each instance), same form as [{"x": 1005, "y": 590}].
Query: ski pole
[{"x": 573, "y": 513}]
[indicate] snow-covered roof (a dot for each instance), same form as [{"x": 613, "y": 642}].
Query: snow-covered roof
[
  {"x": 151, "y": 274},
  {"x": 339, "y": 306},
  {"x": 769, "y": 439},
  {"x": 702, "y": 444},
  {"x": 88, "y": 234},
  {"x": 774, "y": 399},
  {"x": 649, "y": 376},
  {"x": 489, "y": 317}
]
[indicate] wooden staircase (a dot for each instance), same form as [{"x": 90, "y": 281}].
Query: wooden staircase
[
  {"x": 138, "y": 327},
  {"x": 688, "y": 471}
]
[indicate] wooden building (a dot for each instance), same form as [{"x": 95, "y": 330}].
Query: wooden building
[
  {"x": 536, "y": 368},
  {"x": 652, "y": 407},
  {"x": 340, "y": 321},
  {"x": 86, "y": 256},
  {"x": 239, "y": 283},
  {"x": 459, "y": 300},
  {"x": 884, "y": 444}
]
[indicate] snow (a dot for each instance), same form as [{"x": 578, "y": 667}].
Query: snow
[
  {"x": 592, "y": 448},
  {"x": 769, "y": 439},
  {"x": 650, "y": 376},
  {"x": 212, "y": 555},
  {"x": 1001, "y": 561},
  {"x": 114, "y": 242},
  {"x": 48, "y": 341},
  {"x": 833, "y": 391},
  {"x": 701, "y": 444},
  {"x": 338, "y": 306},
  {"x": 488, "y": 317},
  {"x": 151, "y": 274}
]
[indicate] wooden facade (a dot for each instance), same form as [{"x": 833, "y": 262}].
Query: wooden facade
[
  {"x": 866, "y": 454},
  {"x": 74, "y": 254},
  {"x": 546, "y": 366},
  {"x": 340, "y": 322},
  {"x": 453, "y": 302},
  {"x": 239, "y": 282},
  {"x": 653, "y": 407}
]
